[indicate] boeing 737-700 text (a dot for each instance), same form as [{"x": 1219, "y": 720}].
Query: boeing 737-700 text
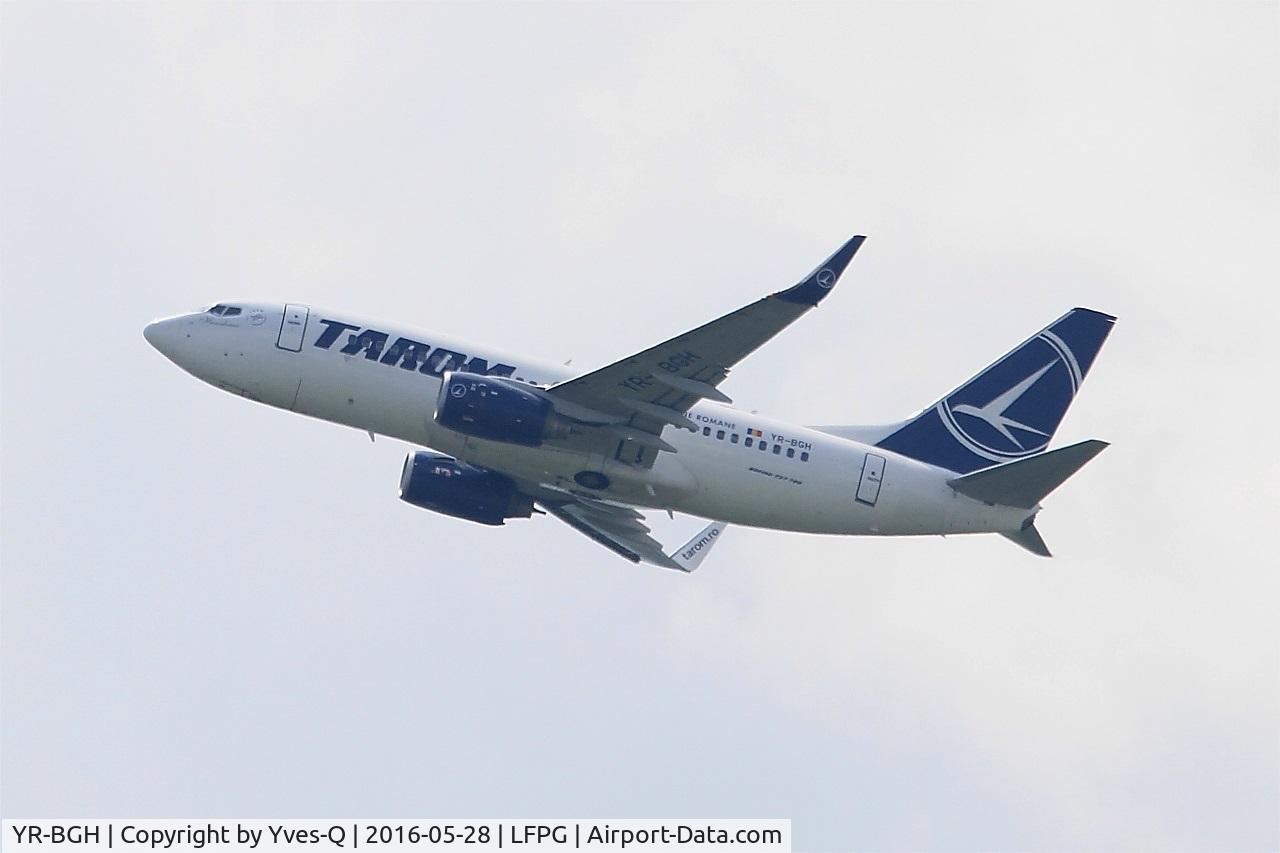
[{"x": 512, "y": 436}]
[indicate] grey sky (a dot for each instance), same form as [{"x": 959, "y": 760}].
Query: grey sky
[{"x": 214, "y": 608}]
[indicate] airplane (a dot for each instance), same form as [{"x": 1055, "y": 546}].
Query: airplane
[{"x": 507, "y": 436}]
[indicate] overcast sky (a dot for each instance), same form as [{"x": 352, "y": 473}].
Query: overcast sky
[{"x": 212, "y": 608}]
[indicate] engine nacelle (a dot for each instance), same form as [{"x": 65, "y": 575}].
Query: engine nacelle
[
  {"x": 441, "y": 483},
  {"x": 497, "y": 409}
]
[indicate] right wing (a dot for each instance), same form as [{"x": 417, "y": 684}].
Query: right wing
[{"x": 623, "y": 531}]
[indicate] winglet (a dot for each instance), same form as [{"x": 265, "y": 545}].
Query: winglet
[
  {"x": 688, "y": 556},
  {"x": 820, "y": 282}
]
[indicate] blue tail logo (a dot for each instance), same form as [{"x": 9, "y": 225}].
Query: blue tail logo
[
  {"x": 1015, "y": 421},
  {"x": 1012, "y": 409}
]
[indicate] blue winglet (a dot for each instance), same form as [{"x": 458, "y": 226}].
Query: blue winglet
[{"x": 823, "y": 279}]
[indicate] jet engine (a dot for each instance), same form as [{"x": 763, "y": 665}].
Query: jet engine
[
  {"x": 443, "y": 484},
  {"x": 497, "y": 409}
]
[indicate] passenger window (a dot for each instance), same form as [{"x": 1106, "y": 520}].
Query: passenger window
[
  {"x": 720, "y": 435},
  {"x": 764, "y": 445},
  {"x": 748, "y": 441},
  {"x": 804, "y": 456},
  {"x": 777, "y": 448},
  {"x": 706, "y": 430},
  {"x": 733, "y": 439},
  {"x": 791, "y": 453}
]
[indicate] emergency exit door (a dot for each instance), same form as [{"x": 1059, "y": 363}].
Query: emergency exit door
[
  {"x": 292, "y": 327},
  {"x": 872, "y": 475}
]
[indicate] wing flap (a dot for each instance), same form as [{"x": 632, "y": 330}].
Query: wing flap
[{"x": 592, "y": 532}]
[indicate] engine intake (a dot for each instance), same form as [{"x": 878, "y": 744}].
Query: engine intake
[
  {"x": 497, "y": 409},
  {"x": 443, "y": 484}
]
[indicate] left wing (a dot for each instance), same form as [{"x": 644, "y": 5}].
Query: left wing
[
  {"x": 622, "y": 530},
  {"x": 637, "y": 397}
]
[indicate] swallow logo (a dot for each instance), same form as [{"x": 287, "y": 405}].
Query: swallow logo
[
  {"x": 826, "y": 279},
  {"x": 994, "y": 412},
  {"x": 1012, "y": 421}
]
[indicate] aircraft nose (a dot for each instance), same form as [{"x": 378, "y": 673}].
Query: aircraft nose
[{"x": 164, "y": 335}]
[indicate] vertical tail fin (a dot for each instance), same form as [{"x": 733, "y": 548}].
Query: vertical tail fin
[{"x": 1012, "y": 408}]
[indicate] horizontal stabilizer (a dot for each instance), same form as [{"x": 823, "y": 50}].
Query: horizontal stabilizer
[
  {"x": 1029, "y": 538},
  {"x": 1025, "y": 483}
]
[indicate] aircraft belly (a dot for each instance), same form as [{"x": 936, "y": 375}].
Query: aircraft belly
[{"x": 661, "y": 486}]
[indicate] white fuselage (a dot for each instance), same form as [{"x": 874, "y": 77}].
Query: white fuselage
[{"x": 803, "y": 479}]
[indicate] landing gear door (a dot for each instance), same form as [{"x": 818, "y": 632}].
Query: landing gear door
[
  {"x": 872, "y": 475},
  {"x": 292, "y": 327}
]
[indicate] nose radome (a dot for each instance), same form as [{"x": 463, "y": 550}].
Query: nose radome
[{"x": 164, "y": 335}]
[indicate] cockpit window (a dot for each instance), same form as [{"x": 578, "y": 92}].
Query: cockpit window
[{"x": 224, "y": 310}]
